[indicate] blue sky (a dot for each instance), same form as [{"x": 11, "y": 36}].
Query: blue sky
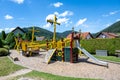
[{"x": 87, "y": 15}]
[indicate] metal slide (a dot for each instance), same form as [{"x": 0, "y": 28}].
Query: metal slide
[
  {"x": 89, "y": 55},
  {"x": 49, "y": 55}
]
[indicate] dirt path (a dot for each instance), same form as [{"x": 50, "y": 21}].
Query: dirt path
[
  {"x": 17, "y": 73},
  {"x": 83, "y": 69}
]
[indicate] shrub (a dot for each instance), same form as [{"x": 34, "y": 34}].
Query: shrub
[
  {"x": 4, "y": 52},
  {"x": 101, "y": 44},
  {"x": 1, "y": 43},
  {"x": 10, "y": 38},
  {"x": 3, "y": 35}
]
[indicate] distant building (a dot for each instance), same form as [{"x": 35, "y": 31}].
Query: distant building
[
  {"x": 107, "y": 35},
  {"x": 84, "y": 35},
  {"x": 18, "y": 30},
  {"x": 40, "y": 38}
]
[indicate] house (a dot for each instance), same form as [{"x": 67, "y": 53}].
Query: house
[
  {"x": 107, "y": 35},
  {"x": 40, "y": 38},
  {"x": 18, "y": 30},
  {"x": 84, "y": 35}
]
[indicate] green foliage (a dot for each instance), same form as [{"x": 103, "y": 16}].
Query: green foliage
[
  {"x": 10, "y": 38},
  {"x": 4, "y": 52},
  {"x": 47, "y": 76},
  {"x": 27, "y": 36},
  {"x": 108, "y": 58},
  {"x": 7, "y": 67},
  {"x": 3, "y": 35},
  {"x": 1, "y": 44},
  {"x": 19, "y": 35},
  {"x": 101, "y": 44}
]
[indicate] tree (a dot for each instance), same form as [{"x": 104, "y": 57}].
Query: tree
[
  {"x": 1, "y": 43},
  {"x": 3, "y": 35}
]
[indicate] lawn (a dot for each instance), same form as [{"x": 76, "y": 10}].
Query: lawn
[
  {"x": 46, "y": 76},
  {"x": 108, "y": 58},
  {"x": 7, "y": 66}
]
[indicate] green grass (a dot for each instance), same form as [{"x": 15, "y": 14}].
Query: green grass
[
  {"x": 46, "y": 76},
  {"x": 109, "y": 58},
  {"x": 7, "y": 66}
]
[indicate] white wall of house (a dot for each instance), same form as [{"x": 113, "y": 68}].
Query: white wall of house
[
  {"x": 88, "y": 37},
  {"x": 102, "y": 36}
]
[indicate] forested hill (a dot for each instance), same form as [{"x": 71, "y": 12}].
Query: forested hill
[
  {"x": 39, "y": 32},
  {"x": 114, "y": 28},
  {"x": 48, "y": 34}
]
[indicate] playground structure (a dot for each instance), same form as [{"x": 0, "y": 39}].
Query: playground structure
[
  {"x": 28, "y": 47},
  {"x": 59, "y": 49}
]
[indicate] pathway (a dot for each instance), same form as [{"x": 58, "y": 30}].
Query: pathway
[{"x": 17, "y": 73}]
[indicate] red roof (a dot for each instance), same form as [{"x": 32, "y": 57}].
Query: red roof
[
  {"x": 108, "y": 35},
  {"x": 83, "y": 35}
]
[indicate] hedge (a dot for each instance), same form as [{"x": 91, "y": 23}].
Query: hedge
[
  {"x": 101, "y": 44},
  {"x": 4, "y": 52}
]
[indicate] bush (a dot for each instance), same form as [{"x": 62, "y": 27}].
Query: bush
[
  {"x": 10, "y": 38},
  {"x": 4, "y": 52},
  {"x": 101, "y": 44},
  {"x": 1, "y": 43},
  {"x": 3, "y": 35}
]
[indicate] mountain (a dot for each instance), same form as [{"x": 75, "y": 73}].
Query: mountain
[
  {"x": 48, "y": 34},
  {"x": 40, "y": 32},
  {"x": 64, "y": 34},
  {"x": 114, "y": 28}
]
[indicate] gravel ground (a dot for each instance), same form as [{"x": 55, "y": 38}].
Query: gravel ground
[{"x": 82, "y": 69}]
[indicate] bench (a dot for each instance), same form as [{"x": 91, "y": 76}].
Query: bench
[
  {"x": 101, "y": 52},
  {"x": 117, "y": 53}
]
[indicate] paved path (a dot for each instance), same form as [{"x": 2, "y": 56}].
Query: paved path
[{"x": 17, "y": 73}]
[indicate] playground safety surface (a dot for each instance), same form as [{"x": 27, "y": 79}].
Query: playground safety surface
[{"x": 83, "y": 69}]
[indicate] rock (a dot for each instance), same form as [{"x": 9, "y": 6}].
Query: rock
[{"x": 16, "y": 59}]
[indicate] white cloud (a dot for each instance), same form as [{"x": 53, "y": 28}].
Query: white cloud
[
  {"x": 10, "y": 29},
  {"x": 50, "y": 16},
  {"x": 8, "y": 17},
  {"x": 66, "y": 13},
  {"x": 63, "y": 20},
  {"x": 1, "y": 30},
  {"x": 107, "y": 25},
  {"x": 7, "y": 29},
  {"x": 58, "y": 4},
  {"x": 47, "y": 25},
  {"x": 118, "y": 20},
  {"x": 110, "y": 13},
  {"x": 81, "y": 21},
  {"x": 18, "y": 1}
]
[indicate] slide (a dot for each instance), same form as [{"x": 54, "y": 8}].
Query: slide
[
  {"x": 89, "y": 55},
  {"x": 49, "y": 55}
]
